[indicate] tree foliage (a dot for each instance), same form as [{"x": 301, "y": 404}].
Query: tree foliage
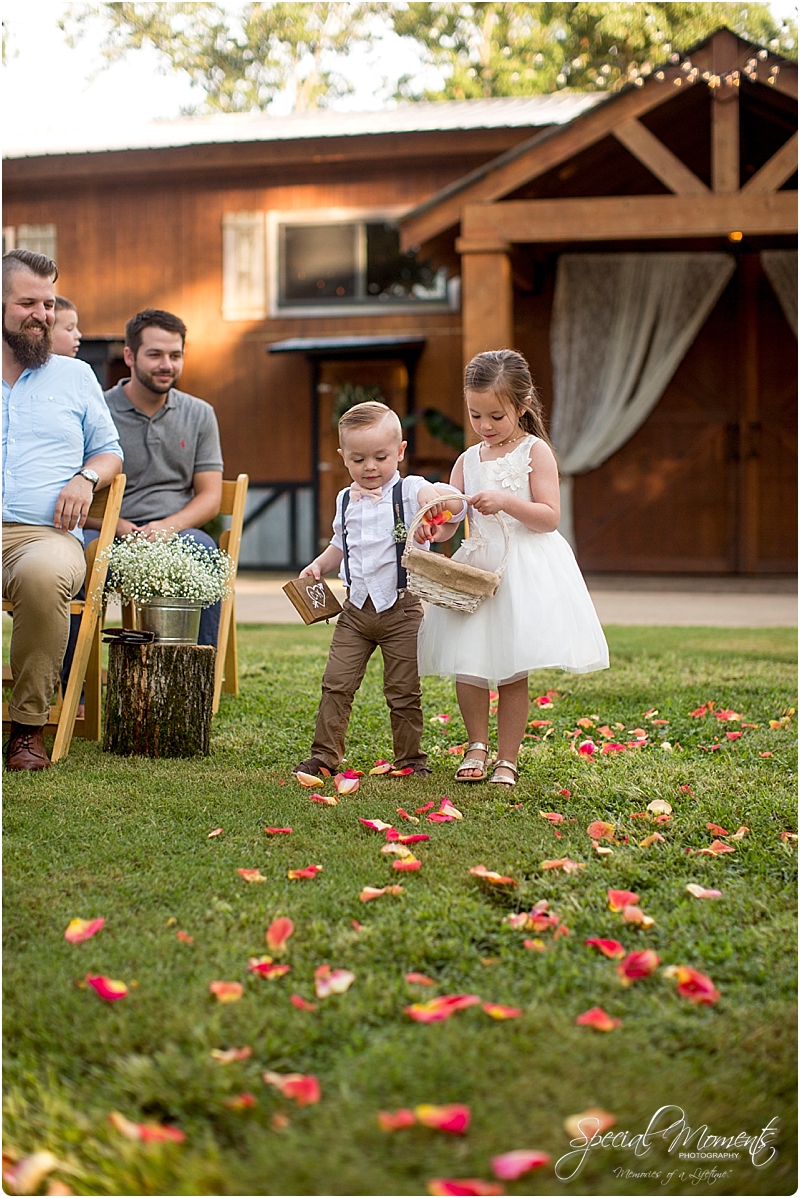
[
  {"x": 242, "y": 58},
  {"x": 521, "y": 49}
]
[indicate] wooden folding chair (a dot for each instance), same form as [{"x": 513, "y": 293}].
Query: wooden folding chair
[
  {"x": 226, "y": 676},
  {"x": 86, "y": 664}
]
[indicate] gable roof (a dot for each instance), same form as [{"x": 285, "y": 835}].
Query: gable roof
[{"x": 720, "y": 53}]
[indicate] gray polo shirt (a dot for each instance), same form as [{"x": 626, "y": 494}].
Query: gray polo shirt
[{"x": 163, "y": 452}]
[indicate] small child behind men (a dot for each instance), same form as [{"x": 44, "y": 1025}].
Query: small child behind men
[{"x": 379, "y": 611}]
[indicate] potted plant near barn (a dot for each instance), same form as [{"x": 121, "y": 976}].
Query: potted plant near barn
[{"x": 167, "y": 581}]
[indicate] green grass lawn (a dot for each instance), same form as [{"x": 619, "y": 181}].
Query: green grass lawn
[{"x": 127, "y": 840}]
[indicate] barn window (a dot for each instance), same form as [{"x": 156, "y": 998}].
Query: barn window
[
  {"x": 351, "y": 263},
  {"x": 244, "y": 286},
  {"x": 39, "y": 238}
]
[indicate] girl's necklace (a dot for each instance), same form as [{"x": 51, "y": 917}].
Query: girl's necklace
[{"x": 508, "y": 441}]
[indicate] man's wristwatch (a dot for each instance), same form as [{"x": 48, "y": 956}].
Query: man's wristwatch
[{"x": 90, "y": 475}]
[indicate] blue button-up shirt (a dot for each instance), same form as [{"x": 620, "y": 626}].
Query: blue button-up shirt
[{"x": 54, "y": 419}]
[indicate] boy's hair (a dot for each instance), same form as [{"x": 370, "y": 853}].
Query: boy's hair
[
  {"x": 506, "y": 373},
  {"x": 37, "y": 264},
  {"x": 367, "y": 415},
  {"x": 64, "y": 305},
  {"x": 152, "y": 318}
]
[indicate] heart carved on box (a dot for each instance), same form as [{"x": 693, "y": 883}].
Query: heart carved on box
[{"x": 317, "y": 595}]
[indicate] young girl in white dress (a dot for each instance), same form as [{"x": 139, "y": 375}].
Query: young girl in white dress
[{"x": 542, "y": 615}]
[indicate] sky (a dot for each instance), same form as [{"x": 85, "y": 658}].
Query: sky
[{"x": 87, "y": 99}]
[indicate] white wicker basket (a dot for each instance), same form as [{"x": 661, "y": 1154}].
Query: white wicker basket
[{"x": 446, "y": 583}]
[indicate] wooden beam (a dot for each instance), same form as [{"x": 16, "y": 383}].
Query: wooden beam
[
  {"x": 725, "y": 170},
  {"x": 774, "y": 173},
  {"x": 624, "y": 218},
  {"x": 535, "y": 157},
  {"x": 658, "y": 159},
  {"x": 487, "y": 305}
]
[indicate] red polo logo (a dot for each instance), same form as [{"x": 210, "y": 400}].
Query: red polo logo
[{"x": 183, "y": 444}]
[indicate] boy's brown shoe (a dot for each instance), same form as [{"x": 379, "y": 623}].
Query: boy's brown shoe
[{"x": 26, "y": 749}]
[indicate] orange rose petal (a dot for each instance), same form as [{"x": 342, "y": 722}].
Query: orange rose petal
[
  {"x": 382, "y": 767},
  {"x": 107, "y": 988},
  {"x": 376, "y": 825},
  {"x": 498, "y": 1011},
  {"x": 700, "y": 892},
  {"x": 409, "y": 769},
  {"x": 373, "y": 892},
  {"x": 278, "y": 933},
  {"x": 597, "y": 1019},
  {"x": 422, "y": 810},
  {"x": 251, "y": 875},
  {"x": 717, "y": 830},
  {"x": 277, "y": 831},
  {"x": 511, "y": 1165},
  {"x": 302, "y": 1088},
  {"x": 329, "y": 981},
  {"x": 553, "y": 817},
  {"x": 609, "y": 948},
  {"x": 79, "y": 930},
  {"x": 345, "y": 785},
  {"x": 632, "y": 914},
  {"x": 654, "y": 838},
  {"x": 535, "y": 946},
  {"x": 617, "y": 899},
  {"x": 588, "y": 1123},
  {"x": 602, "y": 849},
  {"x": 216, "y": 832},
  {"x": 439, "y": 1186},
  {"x": 600, "y": 830},
  {"x": 660, "y": 807},
  {"x": 395, "y": 1120},
  {"x": 447, "y": 808},
  {"x": 561, "y": 931},
  {"x": 637, "y": 965},
  {"x": 568, "y": 866},
  {"x": 404, "y": 815},
  {"x": 740, "y": 833},
  {"x": 420, "y": 979},
  {"x": 298, "y": 1001},
  {"x": 147, "y": 1132},
  {"x": 226, "y": 992},
  {"x": 408, "y": 865},
  {"x": 715, "y": 849},
  {"x": 264, "y": 968},
  {"x": 227, "y": 1056},
  {"x": 694, "y": 985},
  {"x": 310, "y": 871},
  {"x": 241, "y": 1102},
  {"x": 327, "y": 800},
  {"x": 492, "y": 878},
  {"x": 185, "y": 937},
  {"x": 439, "y": 1009},
  {"x": 453, "y": 1118}
]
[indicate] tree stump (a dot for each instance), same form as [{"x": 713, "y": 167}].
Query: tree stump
[{"x": 159, "y": 700}]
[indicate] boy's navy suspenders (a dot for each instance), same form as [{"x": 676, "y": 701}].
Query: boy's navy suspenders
[{"x": 399, "y": 517}]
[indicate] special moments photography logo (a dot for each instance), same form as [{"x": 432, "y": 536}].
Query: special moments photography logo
[{"x": 669, "y": 1125}]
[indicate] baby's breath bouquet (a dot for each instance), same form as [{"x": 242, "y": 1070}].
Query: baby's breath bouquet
[{"x": 168, "y": 567}]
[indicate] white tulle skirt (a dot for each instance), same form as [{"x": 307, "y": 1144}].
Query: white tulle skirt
[{"x": 541, "y": 617}]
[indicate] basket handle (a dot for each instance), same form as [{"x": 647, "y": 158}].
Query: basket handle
[{"x": 412, "y": 528}]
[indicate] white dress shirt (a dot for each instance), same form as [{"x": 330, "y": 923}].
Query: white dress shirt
[{"x": 371, "y": 546}]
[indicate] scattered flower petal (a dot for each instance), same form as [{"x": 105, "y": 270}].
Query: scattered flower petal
[
  {"x": 447, "y": 808},
  {"x": 686, "y": 790},
  {"x": 226, "y": 1056},
  {"x": 740, "y": 833},
  {"x": 185, "y": 937},
  {"x": 715, "y": 849},
  {"x": 395, "y": 1120},
  {"x": 82, "y": 929},
  {"x": 700, "y": 892},
  {"x": 278, "y": 933},
  {"x": 226, "y": 991},
  {"x": 328, "y": 800},
  {"x": 453, "y": 1118},
  {"x": 637, "y": 965},
  {"x": 536, "y": 946},
  {"x": 512, "y": 1165},
  {"x": 442, "y": 718},
  {"x": 436, "y": 1010},
  {"x": 147, "y": 1132},
  {"x": 612, "y": 746},
  {"x": 420, "y": 979},
  {"x": 382, "y": 767},
  {"x": 598, "y": 1019},
  {"x": 345, "y": 785},
  {"x": 565, "y": 794},
  {"x": 422, "y": 810},
  {"x": 277, "y": 831},
  {"x": 553, "y": 817},
  {"x": 498, "y": 1011},
  {"x": 309, "y": 781},
  {"x": 660, "y": 807},
  {"x": 600, "y": 830},
  {"x": 264, "y": 968},
  {"x": 602, "y": 849},
  {"x": 539, "y": 723},
  {"x": 404, "y": 815},
  {"x": 788, "y": 836},
  {"x": 561, "y": 931},
  {"x": 609, "y": 948},
  {"x": 587, "y": 748},
  {"x": 654, "y": 838},
  {"x": 297, "y": 1001},
  {"x": 107, "y": 988},
  {"x": 329, "y": 981},
  {"x": 568, "y": 866},
  {"x": 693, "y": 984},
  {"x": 633, "y": 914},
  {"x": 727, "y": 714},
  {"x": 373, "y": 892},
  {"x": 216, "y": 832},
  {"x": 617, "y": 899},
  {"x": 588, "y": 1123},
  {"x": 404, "y": 773},
  {"x": 310, "y": 871},
  {"x": 241, "y": 1102},
  {"x": 407, "y": 865},
  {"x": 491, "y": 878},
  {"x": 303, "y": 1088},
  {"x": 251, "y": 875},
  {"x": 376, "y": 825},
  {"x": 26, "y": 1175},
  {"x": 439, "y": 1186}
]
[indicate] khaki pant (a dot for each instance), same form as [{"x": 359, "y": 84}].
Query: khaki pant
[
  {"x": 43, "y": 568},
  {"x": 358, "y": 634}
]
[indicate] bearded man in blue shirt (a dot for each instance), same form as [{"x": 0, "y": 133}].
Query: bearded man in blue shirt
[{"x": 59, "y": 445}]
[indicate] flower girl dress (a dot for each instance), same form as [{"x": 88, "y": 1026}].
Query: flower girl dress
[{"x": 542, "y": 615}]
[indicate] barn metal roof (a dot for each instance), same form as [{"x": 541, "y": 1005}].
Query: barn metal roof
[{"x": 227, "y": 128}]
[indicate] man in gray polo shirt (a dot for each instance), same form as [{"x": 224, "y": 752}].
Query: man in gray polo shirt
[{"x": 173, "y": 459}]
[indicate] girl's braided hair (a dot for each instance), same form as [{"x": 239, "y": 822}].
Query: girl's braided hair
[{"x": 506, "y": 372}]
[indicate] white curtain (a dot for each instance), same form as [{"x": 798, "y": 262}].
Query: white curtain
[
  {"x": 621, "y": 325},
  {"x": 780, "y": 267}
]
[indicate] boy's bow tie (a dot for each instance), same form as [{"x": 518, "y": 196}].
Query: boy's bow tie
[{"x": 358, "y": 492}]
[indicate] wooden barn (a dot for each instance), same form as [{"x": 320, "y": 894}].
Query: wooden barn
[{"x": 322, "y": 258}]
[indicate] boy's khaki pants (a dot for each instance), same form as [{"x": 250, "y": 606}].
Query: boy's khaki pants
[
  {"x": 358, "y": 634},
  {"x": 43, "y": 568}
]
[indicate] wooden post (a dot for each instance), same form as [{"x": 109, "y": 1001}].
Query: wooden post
[
  {"x": 159, "y": 700},
  {"x": 749, "y": 438},
  {"x": 725, "y": 116},
  {"x": 487, "y": 298}
]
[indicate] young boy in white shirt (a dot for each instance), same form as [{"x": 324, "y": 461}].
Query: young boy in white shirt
[{"x": 366, "y": 548}]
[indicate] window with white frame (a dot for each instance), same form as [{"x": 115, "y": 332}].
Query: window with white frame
[
  {"x": 244, "y": 282},
  {"x": 39, "y": 238}
]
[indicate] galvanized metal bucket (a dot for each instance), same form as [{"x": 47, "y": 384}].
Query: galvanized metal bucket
[{"x": 176, "y": 621}]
